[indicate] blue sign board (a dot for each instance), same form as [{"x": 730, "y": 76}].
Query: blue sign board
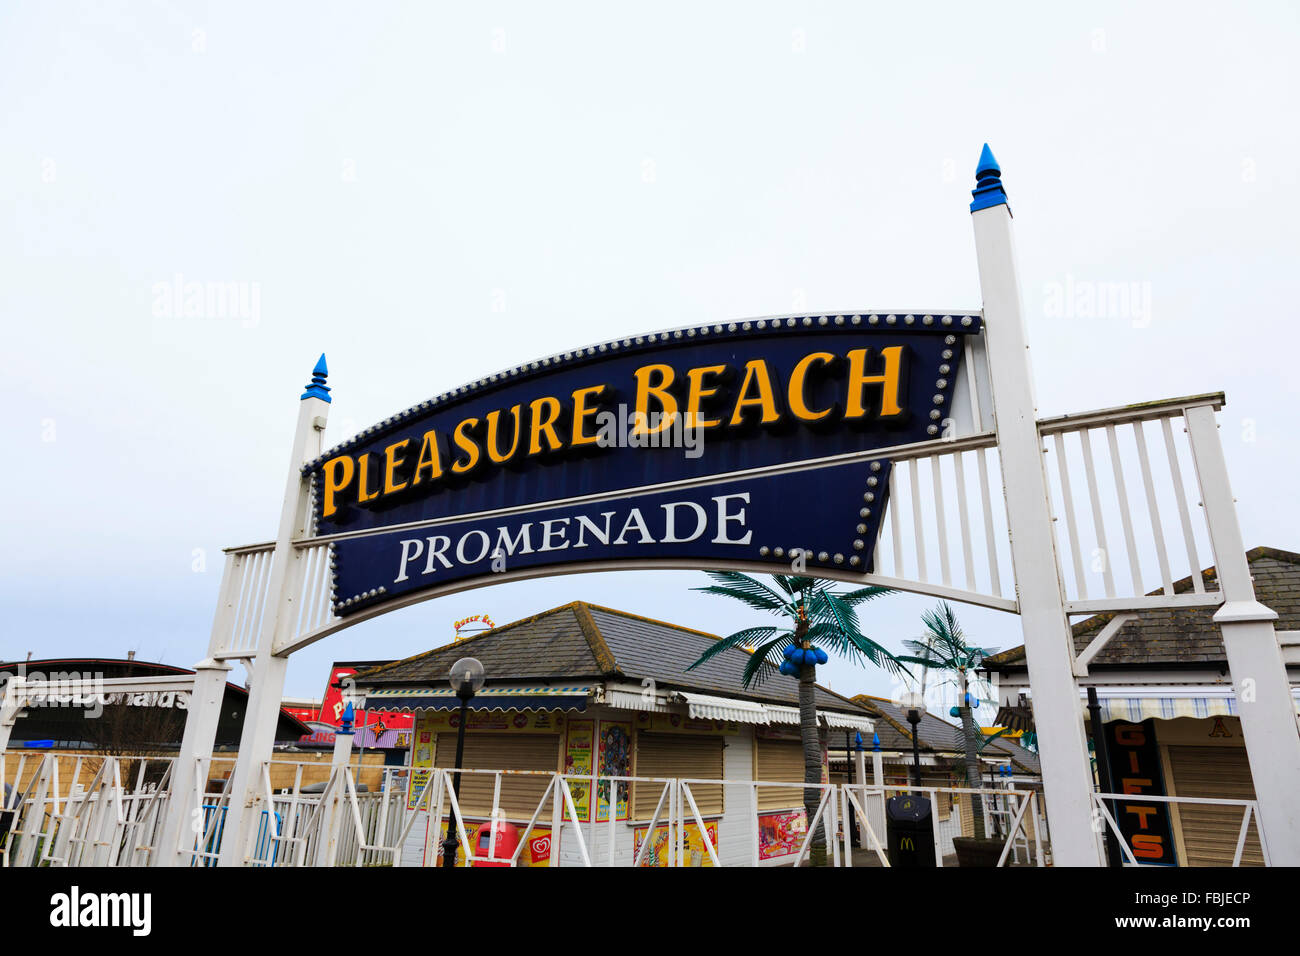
[{"x": 647, "y": 447}]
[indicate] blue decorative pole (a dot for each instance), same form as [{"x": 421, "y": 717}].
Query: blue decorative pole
[{"x": 317, "y": 388}]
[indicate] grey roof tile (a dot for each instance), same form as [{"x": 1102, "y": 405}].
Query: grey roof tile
[
  {"x": 1185, "y": 636},
  {"x": 581, "y": 640}
]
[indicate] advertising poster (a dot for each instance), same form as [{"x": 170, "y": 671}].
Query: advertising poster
[
  {"x": 781, "y": 834},
  {"x": 694, "y": 852},
  {"x": 421, "y": 765},
  {"x": 537, "y": 851},
  {"x": 579, "y": 744},
  {"x": 615, "y": 760}
]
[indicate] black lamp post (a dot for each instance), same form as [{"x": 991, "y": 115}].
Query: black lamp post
[
  {"x": 914, "y": 702},
  {"x": 466, "y": 680}
]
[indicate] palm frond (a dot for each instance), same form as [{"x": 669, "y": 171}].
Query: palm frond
[
  {"x": 878, "y": 654},
  {"x": 742, "y": 639},
  {"x": 826, "y": 606},
  {"x": 990, "y": 738},
  {"x": 748, "y": 590},
  {"x": 794, "y": 584},
  {"x": 862, "y": 595},
  {"x": 760, "y": 665}
]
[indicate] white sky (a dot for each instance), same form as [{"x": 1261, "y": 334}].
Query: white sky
[{"x": 387, "y": 174}]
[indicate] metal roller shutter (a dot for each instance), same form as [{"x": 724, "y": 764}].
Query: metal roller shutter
[
  {"x": 1210, "y": 832},
  {"x": 519, "y": 794},
  {"x": 780, "y": 761},
  {"x": 677, "y": 755}
]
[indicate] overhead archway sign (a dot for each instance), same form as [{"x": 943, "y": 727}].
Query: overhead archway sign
[
  {"x": 750, "y": 441},
  {"x": 810, "y": 440}
]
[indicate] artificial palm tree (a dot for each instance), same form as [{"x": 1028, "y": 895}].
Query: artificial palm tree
[
  {"x": 813, "y": 614},
  {"x": 945, "y": 649}
]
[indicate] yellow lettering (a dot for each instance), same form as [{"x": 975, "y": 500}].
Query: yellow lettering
[
  {"x": 797, "y": 404},
  {"x": 581, "y": 411},
  {"x": 392, "y": 461},
  {"x": 890, "y": 382},
  {"x": 543, "y": 422},
  {"x": 363, "y": 492},
  {"x": 644, "y": 390},
  {"x": 465, "y": 442},
  {"x": 696, "y": 394},
  {"x": 338, "y": 475},
  {"x": 758, "y": 376},
  {"x": 430, "y": 459},
  {"x": 492, "y": 418}
]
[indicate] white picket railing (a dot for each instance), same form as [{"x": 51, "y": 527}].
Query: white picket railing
[
  {"x": 98, "y": 818},
  {"x": 1109, "y": 805}
]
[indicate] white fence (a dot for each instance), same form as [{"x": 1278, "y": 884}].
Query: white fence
[
  {"x": 104, "y": 817},
  {"x": 1107, "y": 806}
]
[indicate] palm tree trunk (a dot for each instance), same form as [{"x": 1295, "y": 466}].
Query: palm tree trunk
[
  {"x": 973, "y": 776},
  {"x": 812, "y": 758}
]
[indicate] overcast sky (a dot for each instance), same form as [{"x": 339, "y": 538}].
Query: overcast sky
[{"x": 428, "y": 193}]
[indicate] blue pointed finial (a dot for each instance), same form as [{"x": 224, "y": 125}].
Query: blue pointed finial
[
  {"x": 875, "y": 742},
  {"x": 988, "y": 189},
  {"x": 349, "y": 715},
  {"x": 317, "y": 387},
  {"x": 857, "y": 740}
]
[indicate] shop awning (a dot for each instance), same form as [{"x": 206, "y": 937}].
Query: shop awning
[
  {"x": 708, "y": 707},
  {"x": 790, "y": 715},
  {"x": 1139, "y": 704},
  {"x": 633, "y": 699},
  {"x": 491, "y": 697}
]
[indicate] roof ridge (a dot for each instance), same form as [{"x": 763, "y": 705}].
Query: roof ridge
[
  {"x": 649, "y": 620},
  {"x": 469, "y": 640},
  {"x": 689, "y": 630},
  {"x": 600, "y": 648}
]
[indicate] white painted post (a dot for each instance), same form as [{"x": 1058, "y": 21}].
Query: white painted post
[
  {"x": 1268, "y": 720},
  {"x": 861, "y": 756},
  {"x": 343, "y": 739},
  {"x": 282, "y": 600},
  {"x": 200, "y": 733},
  {"x": 1049, "y": 652}
]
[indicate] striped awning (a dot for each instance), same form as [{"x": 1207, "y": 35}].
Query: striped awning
[
  {"x": 790, "y": 715},
  {"x": 644, "y": 699},
  {"x": 1146, "y": 703},
  {"x": 708, "y": 707},
  {"x": 491, "y": 697},
  {"x": 752, "y": 712}
]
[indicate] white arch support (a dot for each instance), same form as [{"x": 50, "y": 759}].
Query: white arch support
[{"x": 1073, "y": 515}]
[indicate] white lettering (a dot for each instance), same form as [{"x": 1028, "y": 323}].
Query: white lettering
[
  {"x": 411, "y": 548},
  {"x": 586, "y": 524},
  {"x": 438, "y": 544},
  {"x": 548, "y": 532},
  {"x": 634, "y": 518},
  {"x": 460, "y": 547},
  {"x": 670, "y": 517},
  {"x": 724, "y": 516}
]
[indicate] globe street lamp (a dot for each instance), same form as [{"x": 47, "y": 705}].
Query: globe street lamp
[
  {"x": 914, "y": 703},
  {"x": 466, "y": 678}
]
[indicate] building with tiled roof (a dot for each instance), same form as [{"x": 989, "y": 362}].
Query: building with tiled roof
[
  {"x": 582, "y": 690},
  {"x": 1161, "y": 677}
]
